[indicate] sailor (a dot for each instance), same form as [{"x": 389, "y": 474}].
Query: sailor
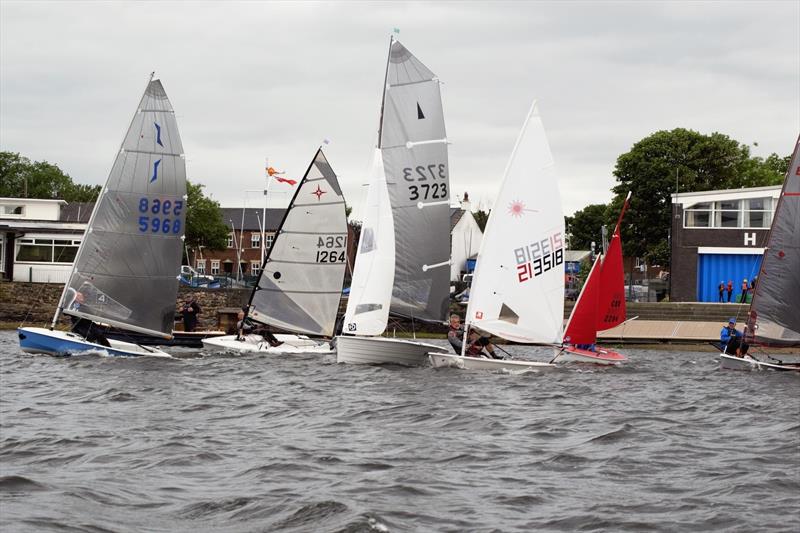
[
  {"x": 456, "y": 333},
  {"x": 731, "y": 340},
  {"x": 480, "y": 346},
  {"x": 84, "y": 327},
  {"x": 245, "y": 328}
]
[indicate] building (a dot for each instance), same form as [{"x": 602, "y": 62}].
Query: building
[
  {"x": 39, "y": 239},
  {"x": 244, "y": 243},
  {"x": 718, "y": 236},
  {"x": 465, "y": 239}
]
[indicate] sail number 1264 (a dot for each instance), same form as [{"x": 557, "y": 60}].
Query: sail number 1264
[{"x": 330, "y": 249}]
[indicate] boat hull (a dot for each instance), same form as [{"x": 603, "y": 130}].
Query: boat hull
[
  {"x": 292, "y": 345},
  {"x": 185, "y": 339},
  {"x": 380, "y": 351},
  {"x": 444, "y": 360},
  {"x": 63, "y": 343},
  {"x": 603, "y": 356},
  {"x": 730, "y": 362}
]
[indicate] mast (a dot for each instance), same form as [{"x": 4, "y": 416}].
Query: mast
[{"x": 383, "y": 92}]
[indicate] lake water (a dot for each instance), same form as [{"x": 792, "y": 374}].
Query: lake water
[{"x": 219, "y": 443}]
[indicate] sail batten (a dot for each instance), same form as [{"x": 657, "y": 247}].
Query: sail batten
[
  {"x": 126, "y": 270},
  {"x": 309, "y": 250},
  {"x": 773, "y": 317}
]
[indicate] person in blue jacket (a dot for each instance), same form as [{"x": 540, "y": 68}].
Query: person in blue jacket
[{"x": 732, "y": 341}]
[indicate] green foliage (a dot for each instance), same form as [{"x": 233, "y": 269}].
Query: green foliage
[
  {"x": 700, "y": 162},
  {"x": 22, "y": 178},
  {"x": 204, "y": 224},
  {"x": 481, "y": 217},
  {"x": 584, "y": 226}
]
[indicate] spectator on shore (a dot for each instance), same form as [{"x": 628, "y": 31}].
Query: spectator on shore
[
  {"x": 721, "y": 292},
  {"x": 745, "y": 288},
  {"x": 730, "y": 290},
  {"x": 190, "y": 310}
]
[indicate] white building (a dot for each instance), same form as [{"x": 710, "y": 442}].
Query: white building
[
  {"x": 465, "y": 238},
  {"x": 39, "y": 238}
]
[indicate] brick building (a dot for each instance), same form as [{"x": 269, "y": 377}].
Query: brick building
[{"x": 718, "y": 236}]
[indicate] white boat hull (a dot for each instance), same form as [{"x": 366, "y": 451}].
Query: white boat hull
[
  {"x": 292, "y": 345},
  {"x": 444, "y": 360},
  {"x": 63, "y": 343},
  {"x": 730, "y": 362},
  {"x": 381, "y": 350}
]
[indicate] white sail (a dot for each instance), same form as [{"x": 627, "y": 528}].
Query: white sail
[
  {"x": 125, "y": 273},
  {"x": 371, "y": 289},
  {"x": 518, "y": 288},
  {"x": 300, "y": 285}
]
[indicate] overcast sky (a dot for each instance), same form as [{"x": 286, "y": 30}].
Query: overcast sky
[{"x": 271, "y": 79}]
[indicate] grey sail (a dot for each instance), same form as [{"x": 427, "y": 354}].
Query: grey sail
[
  {"x": 301, "y": 282},
  {"x": 774, "y": 312},
  {"x": 414, "y": 148},
  {"x": 125, "y": 273}
]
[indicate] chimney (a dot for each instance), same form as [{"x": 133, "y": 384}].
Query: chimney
[{"x": 465, "y": 202}]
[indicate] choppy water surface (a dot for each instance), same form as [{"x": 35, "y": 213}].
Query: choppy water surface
[{"x": 222, "y": 443}]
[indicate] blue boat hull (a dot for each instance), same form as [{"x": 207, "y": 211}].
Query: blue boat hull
[{"x": 63, "y": 343}]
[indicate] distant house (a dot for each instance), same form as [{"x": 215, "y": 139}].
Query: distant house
[
  {"x": 465, "y": 238},
  {"x": 244, "y": 247},
  {"x": 39, "y": 239}
]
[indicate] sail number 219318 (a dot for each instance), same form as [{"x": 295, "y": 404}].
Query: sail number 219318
[
  {"x": 419, "y": 175},
  {"x": 330, "y": 249},
  {"x": 160, "y": 216}
]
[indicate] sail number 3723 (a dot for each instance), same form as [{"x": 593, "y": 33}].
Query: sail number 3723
[
  {"x": 436, "y": 190},
  {"x": 160, "y": 216}
]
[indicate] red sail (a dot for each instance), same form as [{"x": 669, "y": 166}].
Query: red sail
[
  {"x": 581, "y": 327},
  {"x": 611, "y": 302}
]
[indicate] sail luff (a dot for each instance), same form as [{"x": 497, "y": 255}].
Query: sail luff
[{"x": 580, "y": 328}]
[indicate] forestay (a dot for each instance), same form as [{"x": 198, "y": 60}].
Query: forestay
[
  {"x": 300, "y": 285},
  {"x": 126, "y": 270},
  {"x": 774, "y": 311},
  {"x": 371, "y": 289},
  {"x": 414, "y": 150},
  {"x": 518, "y": 286}
]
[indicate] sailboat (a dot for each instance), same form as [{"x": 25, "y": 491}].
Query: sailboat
[
  {"x": 774, "y": 319},
  {"x": 600, "y": 306},
  {"x": 300, "y": 284},
  {"x": 403, "y": 259},
  {"x": 125, "y": 272},
  {"x": 518, "y": 287}
]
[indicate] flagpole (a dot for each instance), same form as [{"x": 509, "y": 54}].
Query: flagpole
[{"x": 264, "y": 218}]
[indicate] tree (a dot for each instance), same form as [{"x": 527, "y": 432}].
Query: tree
[
  {"x": 481, "y": 217},
  {"x": 696, "y": 162},
  {"x": 585, "y": 226},
  {"x": 21, "y": 178},
  {"x": 204, "y": 225}
]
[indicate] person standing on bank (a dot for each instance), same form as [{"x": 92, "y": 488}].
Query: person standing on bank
[
  {"x": 732, "y": 341},
  {"x": 730, "y": 290},
  {"x": 721, "y": 292},
  {"x": 190, "y": 311},
  {"x": 745, "y": 289}
]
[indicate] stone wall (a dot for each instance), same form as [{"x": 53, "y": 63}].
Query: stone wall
[{"x": 35, "y": 303}]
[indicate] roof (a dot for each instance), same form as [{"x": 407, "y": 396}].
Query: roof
[
  {"x": 682, "y": 198},
  {"x": 252, "y": 216},
  {"x": 76, "y": 212},
  {"x": 576, "y": 255},
  {"x": 8, "y": 199},
  {"x": 455, "y": 215}
]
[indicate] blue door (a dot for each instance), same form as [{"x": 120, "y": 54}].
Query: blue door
[{"x": 713, "y": 268}]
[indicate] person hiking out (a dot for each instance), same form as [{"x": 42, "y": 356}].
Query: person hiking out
[
  {"x": 455, "y": 334},
  {"x": 732, "y": 341}
]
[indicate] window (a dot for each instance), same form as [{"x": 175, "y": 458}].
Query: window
[
  {"x": 698, "y": 215},
  {"x": 268, "y": 242},
  {"x": 727, "y": 214},
  {"x": 255, "y": 267},
  {"x": 201, "y": 266},
  {"x": 758, "y": 213},
  {"x": 13, "y": 211},
  {"x": 47, "y": 250},
  {"x": 2, "y": 253},
  {"x": 255, "y": 240},
  {"x": 747, "y": 213},
  {"x": 230, "y": 240},
  {"x": 215, "y": 267}
]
